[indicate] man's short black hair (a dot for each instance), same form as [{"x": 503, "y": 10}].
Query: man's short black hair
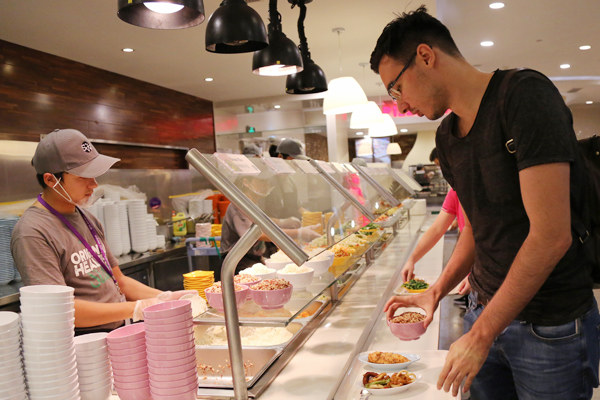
[
  {"x": 433, "y": 154},
  {"x": 401, "y": 37},
  {"x": 40, "y": 179},
  {"x": 273, "y": 151}
]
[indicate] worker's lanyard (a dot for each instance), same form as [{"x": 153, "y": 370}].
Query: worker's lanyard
[{"x": 104, "y": 264}]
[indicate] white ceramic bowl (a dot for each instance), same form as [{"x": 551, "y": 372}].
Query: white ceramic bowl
[
  {"x": 320, "y": 267},
  {"x": 46, "y": 291},
  {"x": 8, "y": 391},
  {"x": 43, "y": 309},
  {"x": 9, "y": 350},
  {"x": 95, "y": 381},
  {"x": 58, "y": 363},
  {"x": 46, "y": 302},
  {"x": 95, "y": 359},
  {"x": 45, "y": 350},
  {"x": 41, "y": 357},
  {"x": 8, "y": 363},
  {"x": 65, "y": 387},
  {"x": 12, "y": 374},
  {"x": 19, "y": 396},
  {"x": 48, "y": 336},
  {"x": 60, "y": 317},
  {"x": 12, "y": 353},
  {"x": 86, "y": 354},
  {"x": 268, "y": 275},
  {"x": 276, "y": 265},
  {"x": 102, "y": 393},
  {"x": 49, "y": 326},
  {"x": 50, "y": 375},
  {"x": 10, "y": 333},
  {"x": 85, "y": 369},
  {"x": 31, "y": 339},
  {"x": 299, "y": 281},
  {"x": 8, "y": 320},
  {"x": 53, "y": 383},
  {"x": 99, "y": 370},
  {"x": 13, "y": 341},
  {"x": 90, "y": 341}
]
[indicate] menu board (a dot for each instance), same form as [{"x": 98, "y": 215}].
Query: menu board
[
  {"x": 279, "y": 166},
  {"x": 237, "y": 164},
  {"x": 326, "y": 167},
  {"x": 305, "y": 166}
]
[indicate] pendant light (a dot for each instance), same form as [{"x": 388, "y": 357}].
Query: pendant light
[
  {"x": 312, "y": 78},
  {"x": 393, "y": 149},
  {"x": 282, "y": 57},
  {"x": 387, "y": 128},
  {"x": 235, "y": 27},
  {"x": 344, "y": 93},
  {"x": 162, "y": 14},
  {"x": 366, "y": 115}
]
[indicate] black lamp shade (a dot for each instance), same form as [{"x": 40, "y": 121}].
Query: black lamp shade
[
  {"x": 310, "y": 80},
  {"x": 282, "y": 57},
  {"x": 235, "y": 28},
  {"x": 136, "y": 13}
]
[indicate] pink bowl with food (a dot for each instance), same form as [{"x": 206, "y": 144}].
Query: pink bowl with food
[
  {"x": 407, "y": 330},
  {"x": 216, "y": 299},
  {"x": 272, "y": 299},
  {"x": 168, "y": 309},
  {"x": 247, "y": 280}
]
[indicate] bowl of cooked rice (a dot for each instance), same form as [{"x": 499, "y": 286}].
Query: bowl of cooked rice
[
  {"x": 409, "y": 325},
  {"x": 261, "y": 271}
]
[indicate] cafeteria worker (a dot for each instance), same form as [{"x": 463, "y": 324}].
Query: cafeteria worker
[{"x": 57, "y": 242}]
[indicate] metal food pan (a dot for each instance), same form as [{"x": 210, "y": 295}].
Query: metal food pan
[{"x": 293, "y": 327}]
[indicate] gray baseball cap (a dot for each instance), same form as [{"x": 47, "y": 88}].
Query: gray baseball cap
[
  {"x": 293, "y": 148},
  {"x": 68, "y": 150}
]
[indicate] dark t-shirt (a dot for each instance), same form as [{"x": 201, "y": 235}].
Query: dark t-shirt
[{"x": 486, "y": 178}]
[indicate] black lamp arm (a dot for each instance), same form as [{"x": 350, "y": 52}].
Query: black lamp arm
[
  {"x": 303, "y": 46},
  {"x": 274, "y": 16}
]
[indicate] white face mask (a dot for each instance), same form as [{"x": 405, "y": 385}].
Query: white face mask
[{"x": 84, "y": 203}]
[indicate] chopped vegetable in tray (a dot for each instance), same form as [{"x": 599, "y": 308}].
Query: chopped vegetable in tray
[{"x": 416, "y": 284}]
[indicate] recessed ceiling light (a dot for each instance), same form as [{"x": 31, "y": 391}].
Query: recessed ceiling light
[
  {"x": 359, "y": 133},
  {"x": 589, "y": 102},
  {"x": 208, "y": 79},
  {"x": 403, "y": 130},
  {"x": 128, "y": 50},
  {"x": 565, "y": 66},
  {"x": 496, "y": 6},
  {"x": 277, "y": 106},
  {"x": 487, "y": 43},
  {"x": 585, "y": 47}
]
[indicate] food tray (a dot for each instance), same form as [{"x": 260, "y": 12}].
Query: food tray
[{"x": 293, "y": 327}]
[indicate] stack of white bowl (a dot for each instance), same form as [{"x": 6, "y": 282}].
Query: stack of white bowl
[
  {"x": 138, "y": 231},
  {"x": 47, "y": 318},
  {"x": 7, "y": 265},
  {"x": 160, "y": 241},
  {"x": 12, "y": 380},
  {"x": 112, "y": 228},
  {"x": 93, "y": 366},
  {"x": 124, "y": 224},
  {"x": 151, "y": 227}
]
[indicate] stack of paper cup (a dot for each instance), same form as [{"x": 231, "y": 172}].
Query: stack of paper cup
[
  {"x": 151, "y": 228},
  {"x": 160, "y": 241},
  {"x": 136, "y": 210},
  {"x": 171, "y": 350},
  {"x": 12, "y": 379},
  {"x": 47, "y": 318},
  {"x": 203, "y": 231},
  {"x": 127, "y": 350},
  {"x": 112, "y": 229},
  {"x": 93, "y": 366},
  {"x": 124, "y": 225}
]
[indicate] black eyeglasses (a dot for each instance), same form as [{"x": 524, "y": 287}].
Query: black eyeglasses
[{"x": 394, "y": 93}]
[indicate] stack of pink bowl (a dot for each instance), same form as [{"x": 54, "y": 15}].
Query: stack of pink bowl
[
  {"x": 127, "y": 350},
  {"x": 93, "y": 366},
  {"x": 12, "y": 381},
  {"x": 171, "y": 351},
  {"x": 47, "y": 318}
]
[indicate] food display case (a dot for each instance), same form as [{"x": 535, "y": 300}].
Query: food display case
[{"x": 316, "y": 195}]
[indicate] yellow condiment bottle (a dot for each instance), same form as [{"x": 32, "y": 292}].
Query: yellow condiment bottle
[{"x": 179, "y": 224}]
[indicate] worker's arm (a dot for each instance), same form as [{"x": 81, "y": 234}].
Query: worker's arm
[
  {"x": 90, "y": 313},
  {"x": 133, "y": 289}
]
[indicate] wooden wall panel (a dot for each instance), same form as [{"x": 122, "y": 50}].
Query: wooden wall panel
[
  {"x": 316, "y": 146},
  {"x": 40, "y": 92}
]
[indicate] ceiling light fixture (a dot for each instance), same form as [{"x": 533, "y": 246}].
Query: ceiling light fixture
[
  {"x": 235, "y": 27},
  {"x": 565, "y": 66},
  {"x": 403, "y": 130},
  {"x": 344, "y": 94},
  {"x": 312, "y": 78},
  {"x": 586, "y": 47},
  {"x": 127, "y": 50},
  {"x": 208, "y": 79},
  {"x": 393, "y": 148},
  {"x": 487, "y": 43},
  {"x": 281, "y": 57},
  {"x": 496, "y": 6},
  {"x": 387, "y": 128},
  {"x": 365, "y": 116},
  {"x": 277, "y": 106},
  {"x": 162, "y": 14},
  {"x": 360, "y": 133},
  {"x": 589, "y": 102}
]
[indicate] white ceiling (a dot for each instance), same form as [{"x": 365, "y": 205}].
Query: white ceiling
[{"x": 540, "y": 34}]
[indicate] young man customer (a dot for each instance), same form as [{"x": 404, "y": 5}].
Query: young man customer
[
  {"x": 57, "y": 242},
  {"x": 532, "y": 332}
]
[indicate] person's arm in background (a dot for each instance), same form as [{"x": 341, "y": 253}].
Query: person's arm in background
[
  {"x": 426, "y": 243},
  {"x": 91, "y": 313},
  {"x": 133, "y": 289}
]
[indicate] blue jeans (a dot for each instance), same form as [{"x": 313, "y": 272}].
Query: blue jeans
[{"x": 534, "y": 362}]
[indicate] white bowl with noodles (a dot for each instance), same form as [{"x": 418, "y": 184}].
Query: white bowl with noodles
[
  {"x": 389, "y": 391},
  {"x": 364, "y": 358}
]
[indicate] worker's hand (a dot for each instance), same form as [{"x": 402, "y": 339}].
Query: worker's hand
[
  {"x": 425, "y": 301},
  {"x": 290, "y": 223},
  {"x": 170, "y": 296},
  {"x": 140, "y": 305},
  {"x": 454, "y": 225},
  {"x": 408, "y": 271},
  {"x": 464, "y": 287},
  {"x": 464, "y": 360},
  {"x": 307, "y": 233}
]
